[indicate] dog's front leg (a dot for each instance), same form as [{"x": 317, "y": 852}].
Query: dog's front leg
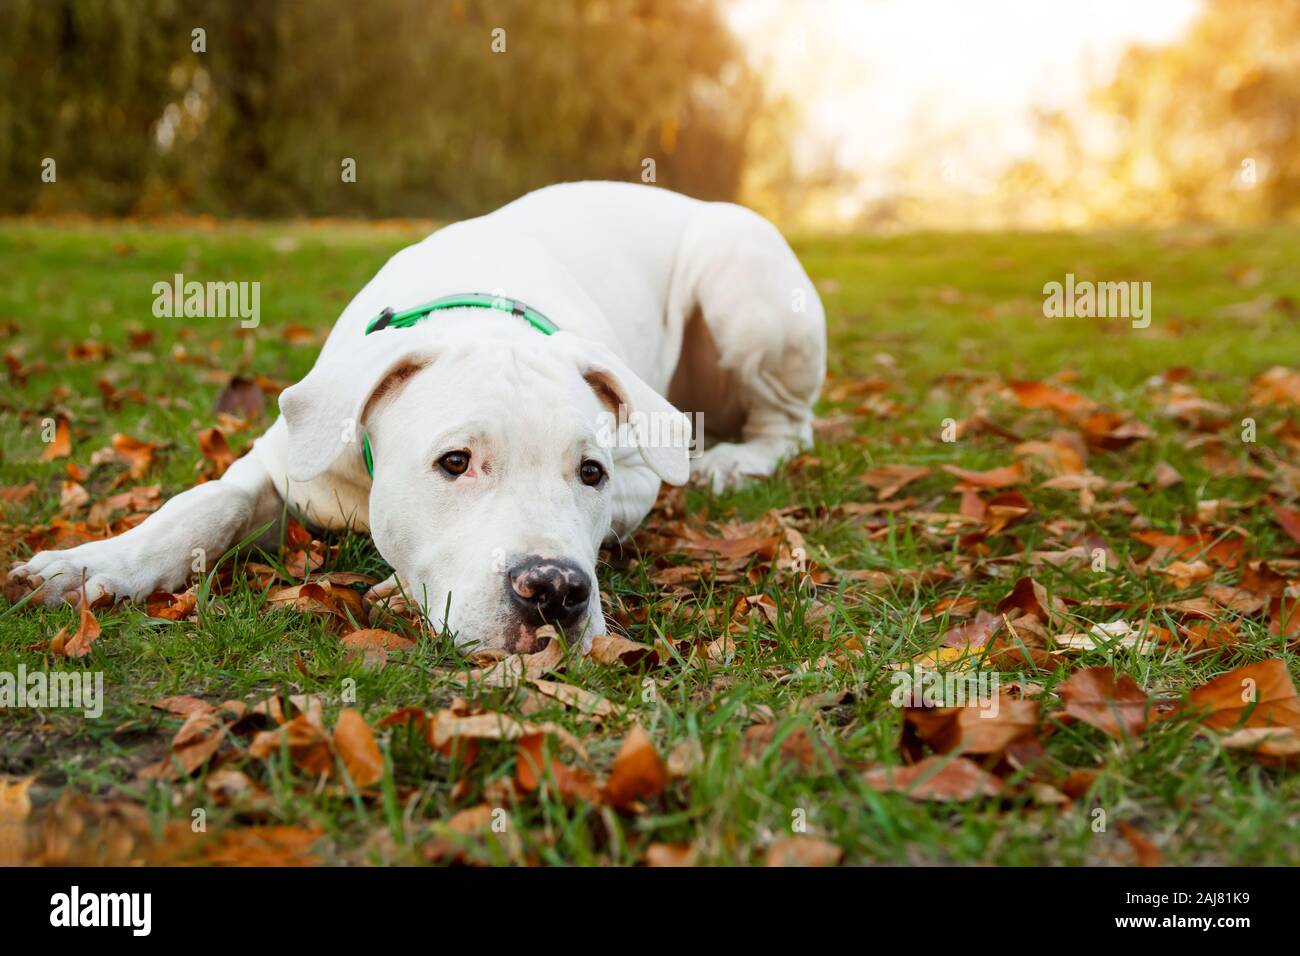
[{"x": 184, "y": 537}]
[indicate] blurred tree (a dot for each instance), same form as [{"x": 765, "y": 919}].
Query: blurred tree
[
  {"x": 446, "y": 107},
  {"x": 1207, "y": 129}
]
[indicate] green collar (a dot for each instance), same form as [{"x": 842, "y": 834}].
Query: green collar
[{"x": 388, "y": 319}]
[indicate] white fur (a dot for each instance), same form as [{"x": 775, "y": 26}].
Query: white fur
[{"x": 621, "y": 269}]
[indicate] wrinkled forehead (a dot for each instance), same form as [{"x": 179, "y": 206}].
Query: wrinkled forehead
[{"x": 521, "y": 396}]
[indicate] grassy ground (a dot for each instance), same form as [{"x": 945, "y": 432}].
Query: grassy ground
[{"x": 926, "y": 322}]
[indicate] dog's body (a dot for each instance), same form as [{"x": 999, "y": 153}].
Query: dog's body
[{"x": 496, "y": 472}]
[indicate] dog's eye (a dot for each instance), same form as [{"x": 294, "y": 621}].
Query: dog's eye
[
  {"x": 591, "y": 472},
  {"x": 454, "y": 463}
]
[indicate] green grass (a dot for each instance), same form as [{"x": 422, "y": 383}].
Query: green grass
[{"x": 916, "y": 311}]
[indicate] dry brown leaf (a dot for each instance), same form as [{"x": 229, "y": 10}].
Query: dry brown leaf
[
  {"x": 1257, "y": 695},
  {"x": 182, "y": 705},
  {"x": 532, "y": 770},
  {"x": 308, "y": 743},
  {"x": 78, "y": 643},
  {"x": 137, "y": 455},
  {"x": 241, "y": 397},
  {"x": 355, "y": 744},
  {"x": 803, "y": 851},
  {"x": 941, "y": 779},
  {"x": 1148, "y": 854},
  {"x": 1120, "y": 708},
  {"x": 638, "y": 773},
  {"x": 1288, "y": 520},
  {"x": 888, "y": 480},
  {"x": 610, "y": 649},
  {"x": 516, "y": 668},
  {"x": 975, "y": 728},
  {"x": 577, "y": 698},
  {"x": 263, "y": 847},
  {"x": 61, "y": 447},
  {"x": 669, "y": 855},
  {"x": 171, "y": 607},
  {"x": 1004, "y": 477},
  {"x": 215, "y": 448},
  {"x": 1041, "y": 395}
]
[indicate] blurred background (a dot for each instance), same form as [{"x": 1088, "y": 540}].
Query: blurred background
[{"x": 871, "y": 115}]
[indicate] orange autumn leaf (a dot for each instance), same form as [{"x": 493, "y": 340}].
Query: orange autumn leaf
[
  {"x": 1003, "y": 477},
  {"x": 1224, "y": 551},
  {"x": 1288, "y": 520},
  {"x": 61, "y": 447},
  {"x": 978, "y": 727},
  {"x": 355, "y": 744},
  {"x": 263, "y": 847},
  {"x": 1094, "y": 696},
  {"x": 1256, "y": 695},
  {"x": 1147, "y": 853},
  {"x": 888, "y": 480},
  {"x": 609, "y": 649},
  {"x": 78, "y": 643},
  {"x": 638, "y": 772},
  {"x": 669, "y": 855},
  {"x": 373, "y": 639},
  {"x": 307, "y": 741},
  {"x": 213, "y": 445},
  {"x": 171, "y": 607},
  {"x": 532, "y": 769},
  {"x": 1040, "y": 395},
  {"x": 136, "y": 454},
  {"x": 935, "y": 778}
]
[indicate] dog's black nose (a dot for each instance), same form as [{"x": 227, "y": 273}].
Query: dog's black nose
[{"x": 550, "y": 591}]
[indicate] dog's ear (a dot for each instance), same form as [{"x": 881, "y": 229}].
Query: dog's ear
[
  {"x": 324, "y": 411},
  {"x": 661, "y": 433}
]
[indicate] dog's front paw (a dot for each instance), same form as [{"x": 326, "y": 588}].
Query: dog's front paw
[
  {"x": 104, "y": 571},
  {"x": 728, "y": 466}
]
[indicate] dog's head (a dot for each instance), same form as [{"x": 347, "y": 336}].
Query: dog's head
[{"x": 498, "y": 468}]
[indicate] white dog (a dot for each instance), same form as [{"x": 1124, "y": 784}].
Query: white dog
[{"x": 513, "y": 383}]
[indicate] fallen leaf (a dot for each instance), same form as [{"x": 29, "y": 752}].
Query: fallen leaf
[
  {"x": 638, "y": 773},
  {"x": 609, "y": 649},
  {"x": 1288, "y": 520},
  {"x": 888, "y": 480},
  {"x": 532, "y": 770},
  {"x": 137, "y": 455},
  {"x": 263, "y": 847},
  {"x": 984, "y": 727},
  {"x": 577, "y": 698},
  {"x": 308, "y": 744},
  {"x": 78, "y": 643},
  {"x": 669, "y": 855},
  {"x": 241, "y": 397},
  {"x": 1148, "y": 854},
  {"x": 942, "y": 779},
  {"x": 356, "y": 747},
  {"x": 1040, "y": 395},
  {"x": 61, "y": 447},
  {"x": 1003, "y": 477},
  {"x": 1094, "y": 696},
  {"x": 1256, "y": 695},
  {"x": 171, "y": 607},
  {"x": 1166, "y": 475},
  {"x": 803, "y": 851},
  {"x": 214, "y": 447}
]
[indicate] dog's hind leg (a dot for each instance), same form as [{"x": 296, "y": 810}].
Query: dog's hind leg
[
  {"x": 185, "y": 537},
  {"x": 766, "y": 334}
]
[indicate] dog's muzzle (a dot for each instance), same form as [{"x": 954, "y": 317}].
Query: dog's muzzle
[{"x": 549, "y": 591}]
